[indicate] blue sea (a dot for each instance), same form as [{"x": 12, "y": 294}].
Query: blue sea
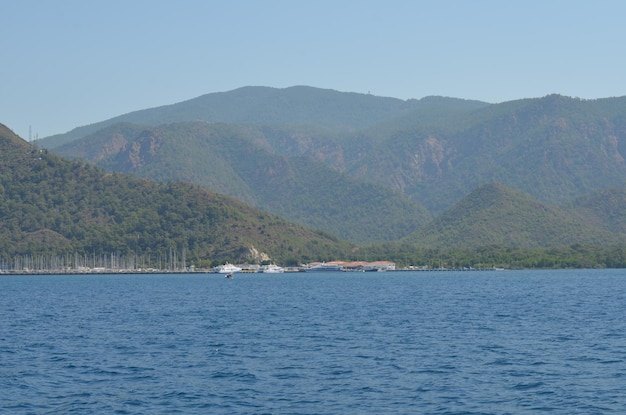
[{"x": 497, "y": 342}]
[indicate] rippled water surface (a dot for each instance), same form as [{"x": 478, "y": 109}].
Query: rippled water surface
[{"x": 369, "y": 343}]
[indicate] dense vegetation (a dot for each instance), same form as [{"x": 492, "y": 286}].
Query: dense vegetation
[
  {"x": 495, "y": 226},
  {"x": 299, "y": 105},
  {"x": 434, "y": 150},
  {"x": 562, "y": 256},
  {"x": 529, "y": 183},
  {"x": 52, "y": 206},
  {"x": 605, "y": 209},
  {"x": 554, "y": 148},
  {"x": 237, "y": 161},
  {"x": 494, "y": 215}
]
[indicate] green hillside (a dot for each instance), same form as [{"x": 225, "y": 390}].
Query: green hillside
[
  {"x": 298, "y": 105},
  {"x": 49, "y": 205},
  {"x": 604, "y": 209},
  {"x": 352, "y": 163},
  {"x": 239, "y": 161},
  {"x": 554, "y": 148},
  {"x": 494, "y": 215},
  {"x": 434, "y": 150}
]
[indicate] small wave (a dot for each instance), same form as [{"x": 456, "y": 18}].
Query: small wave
[
  {"x": 500, "y": 362},
  {"x": 527, "y": 386},
  {"x": 249, "y": 377}
]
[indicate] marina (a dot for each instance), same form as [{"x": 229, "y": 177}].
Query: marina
[{"x": 171, "y": 264}]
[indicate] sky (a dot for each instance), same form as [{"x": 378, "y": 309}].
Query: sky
[{"x": 68, "y": 63}]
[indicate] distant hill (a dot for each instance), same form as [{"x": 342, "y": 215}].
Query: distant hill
[
  {"x": 49, "y": 205},
  {"x": 324, "y": 109},
  {"x": 495, "y": 215},
  {"x": 434, "y": 150},
  {"x": 239, "y": 161},
  {"x": 604, "y": 209},
  {"x": 554, "y": 148}
]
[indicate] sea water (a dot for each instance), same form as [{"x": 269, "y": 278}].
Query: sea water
[{"x": 510, "y": 342}]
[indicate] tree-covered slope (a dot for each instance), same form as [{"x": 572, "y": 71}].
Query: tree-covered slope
[
  {"x": 50, "y": 205},
  {"x": 239, "y": 161},
  {"x": 554, "y": 148},
  {"x": 433, "y": 151},
  {"x": 495, "y": 215},
  {"x": 605, "y": 209},
  {"x": 298, "y": 105}
]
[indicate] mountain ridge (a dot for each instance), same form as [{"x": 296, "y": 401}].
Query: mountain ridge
[
  {"x": 434, "y": 151},
  {"x": 421, "y": 147},
  {"x": 555, "y": 148},
  {"x": 494, "y": 214},
  {"x": 51, "y": 208},
  {"x": 604, "y": 209},
  {"x": 237, "y": 161},
  {"x": 297, "y": 105},
  {"x": 49, "y": 205}
]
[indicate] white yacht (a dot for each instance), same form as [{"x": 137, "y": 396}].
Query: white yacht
[
  {"x": 227, "y": 269},
  {"x": 324, "y": 267},
  {"x": 271, "y": 269}
]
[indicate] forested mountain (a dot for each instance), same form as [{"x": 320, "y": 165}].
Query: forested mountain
[
  {"x": 604, "y": 209},
  {"x": 495, "y": 215},
  {"x": 349, "y": 162},
  {"x": 49, "y": 205},
  {"x": 320, "y": 109},
  {"x": 434, "y": 150},
  {"x": 238, "y": 161},
  {"x": 554, "y": 148}
]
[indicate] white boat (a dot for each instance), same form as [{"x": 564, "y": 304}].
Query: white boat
[
  {"x": 323, "y": 267},
  {"x": 227, "y": 269},
  {"x": 271, "y": 269}
]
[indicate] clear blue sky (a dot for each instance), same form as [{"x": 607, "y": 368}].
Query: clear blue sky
[{"x": 67, "y": 63}]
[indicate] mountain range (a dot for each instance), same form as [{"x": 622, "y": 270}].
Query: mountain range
[{"x": 366, "y": 168}]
